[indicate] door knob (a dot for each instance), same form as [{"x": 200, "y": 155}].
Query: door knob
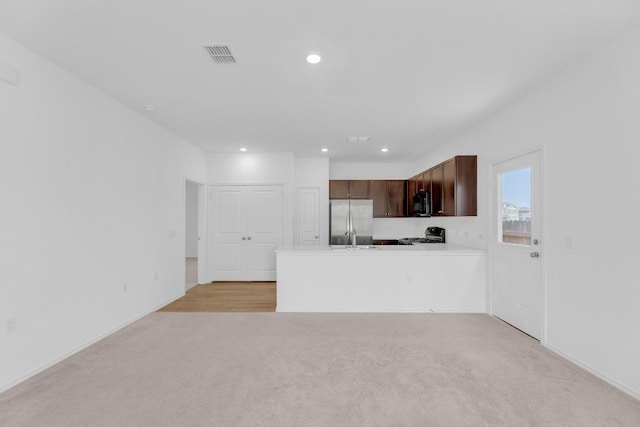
[
  {"x": 248, "y": 238},
  {"x": 535, "y": 254},
  {"x": 316, "y": 237},
  {"x": 244, "y": 238}
]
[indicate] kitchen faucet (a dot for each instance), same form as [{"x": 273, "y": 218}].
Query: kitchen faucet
[
  {"x": 351, "y": 233},
  {"x": 353, "y": 238}
]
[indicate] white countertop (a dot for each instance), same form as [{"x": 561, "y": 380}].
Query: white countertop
[{"x": 424, "y": 249}]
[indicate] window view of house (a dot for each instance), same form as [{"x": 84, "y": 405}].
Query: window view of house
[{"x": 516, "y": 207}]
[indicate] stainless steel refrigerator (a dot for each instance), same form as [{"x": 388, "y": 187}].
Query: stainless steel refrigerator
[{"x": 349, "y": 216}]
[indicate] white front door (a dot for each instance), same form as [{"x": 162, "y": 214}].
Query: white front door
[
  {"x": 247, "y": 227},
  {"x": 516, "y": 243},
  {"x": 308, "y": 216}
]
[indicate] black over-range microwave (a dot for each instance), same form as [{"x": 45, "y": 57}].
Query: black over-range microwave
[{"x": 421, "y": 204}]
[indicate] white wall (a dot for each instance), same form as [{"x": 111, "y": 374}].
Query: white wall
[
  {"x": 586, "y": 121},
  {"x": 355, "y": 170},
  {"x": 92, "y": 197},
  {"x": 250, "y": 168},
  {"x": 191, "y": 219},
  {"x": 314, "y": 173}
]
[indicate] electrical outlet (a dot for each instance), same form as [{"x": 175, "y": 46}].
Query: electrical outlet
[
  {"x": 11, "y": 325},
  {"x": 125, "y": 288},
  {"x": 173, "y": 234},
  {"x": 466, "y": 234},
  {"x": 155, "y": 276}
]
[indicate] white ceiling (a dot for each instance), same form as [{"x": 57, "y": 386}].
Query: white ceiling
[{"x": 408, "y": 74}]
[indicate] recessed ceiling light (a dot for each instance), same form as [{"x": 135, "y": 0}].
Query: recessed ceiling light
[
  {"x": 243, "y": 149},
  {"x": 314, "y": 58},
  {"x": 324, "y": 150},
  {"x": 150, "y": 108},
  {"x": 384, "y": 150}
]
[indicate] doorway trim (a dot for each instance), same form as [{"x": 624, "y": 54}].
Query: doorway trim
[
  {"x": 203, "y": 258},
  {"x": 493, "y": 206}
]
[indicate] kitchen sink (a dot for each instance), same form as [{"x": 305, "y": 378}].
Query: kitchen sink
[{"x": 351, "y": 248}]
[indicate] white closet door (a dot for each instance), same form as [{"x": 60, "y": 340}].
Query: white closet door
[
  {"x": 264, "y": 230},
  {"x": 308, "y": 216},
  {"x": 228, "y": 229},
  {"x": 247, "y": 227}
]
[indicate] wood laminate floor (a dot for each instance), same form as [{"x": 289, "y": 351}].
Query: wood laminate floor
[
  {"x": 227, "y": 297},
  {"x": 191, "y": 272}
]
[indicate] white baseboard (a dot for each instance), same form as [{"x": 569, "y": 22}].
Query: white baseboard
[
  {"x": 594, "y": 372},
  {"x": 377, "y": 310},
  {"x": 59, "y": 359}
]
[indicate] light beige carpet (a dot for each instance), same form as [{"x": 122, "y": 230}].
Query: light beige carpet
[{"x": 271, "y": 369}]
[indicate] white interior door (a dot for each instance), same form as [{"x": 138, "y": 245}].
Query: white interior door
[
  {"x": 516, "y": 244},
  {"x": 228, "y": 230},
  {"x": 247, "y": 227},
  {"x": 308, "y": 216},
  {"x": 264, "y": 216}
]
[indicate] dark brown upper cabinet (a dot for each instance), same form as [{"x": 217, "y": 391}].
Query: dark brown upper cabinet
[
  {"x": 396, "y": 199},
  {"x": 427, "y": 183},
  {"x": 414, "y": 185},
  {"x": 389, "y": 198},
  {"x": 451, "y": 187},
  {"x": 437, "y": 181},
  {"x": 348, "y": 189},
  {"x": 378, "y": 192},
  {"x": 454, "y": 187}
]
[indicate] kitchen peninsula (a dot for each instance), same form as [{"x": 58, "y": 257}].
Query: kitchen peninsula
[{"x": 426, "y": 278}]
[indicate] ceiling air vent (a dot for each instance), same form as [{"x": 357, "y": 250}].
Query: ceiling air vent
[
  {"x": 220, "y": 53},
  {"x": 359, "y": 139}
]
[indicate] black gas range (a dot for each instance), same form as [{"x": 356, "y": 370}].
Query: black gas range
[{"x": 431, "y": 235}]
